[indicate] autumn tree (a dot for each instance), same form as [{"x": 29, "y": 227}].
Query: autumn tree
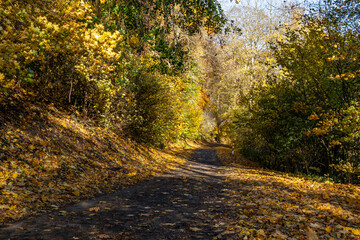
[
  {"x": 306, "y": 113},
  {"x": 237, "y": 61},
  {"x": 121, "y": 64}
]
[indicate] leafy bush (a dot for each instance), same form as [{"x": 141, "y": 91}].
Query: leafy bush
[
  {"x": 306, "y": 117},
  {"x": 105, "y": 60}
]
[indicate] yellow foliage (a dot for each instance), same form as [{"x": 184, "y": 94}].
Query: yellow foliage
[
  {"x": 43, "y": 35},
  {"x": 347, "y": 167},
  {"x": 43, "y": 162},
  {"x": 54, "y": 38},
  {"x": 313, "y": 116},
  {"x": 334, "y": 143}
]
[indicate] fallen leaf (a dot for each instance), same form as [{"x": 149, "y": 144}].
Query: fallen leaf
[
  {"x": 168, "y": 224},
  {"x": 311, "y": 234},
  {"x": 315, "y": 225},
  {"x": 102, "y": 236},
  {"x": 94, "y": 209},
  {"x": 356, "y": 232},
  {"x": 195, "y": 229}
]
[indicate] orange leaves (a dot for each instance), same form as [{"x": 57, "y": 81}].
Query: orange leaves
[
  {"x": 313, "y": 116},
  {"x": 56, "y": 159},
  {"x": 356, "y": 232},
  {"x": 76, "y": 193},
  {"x": 344, "y": 76},
  {"x": 94, "y": 209},
  {"x": 291, "y": 207}
]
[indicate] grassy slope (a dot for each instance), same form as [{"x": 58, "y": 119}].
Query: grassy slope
[
  {"x": 49, "y": 158},
  {"x": 275, "y": 205}
]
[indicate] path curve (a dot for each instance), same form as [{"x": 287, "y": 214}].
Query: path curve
[{"x": 184, "y": 204}]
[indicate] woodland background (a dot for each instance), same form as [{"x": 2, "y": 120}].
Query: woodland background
[{"x": 281, "y": 84}]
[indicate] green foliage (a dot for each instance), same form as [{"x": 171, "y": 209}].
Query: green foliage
[
  {"x": 157, "y": 107},
  {"x": 305, "y": 118},
  {"x": 192, "y": 111},
  {"x": 120, "y": 63}
]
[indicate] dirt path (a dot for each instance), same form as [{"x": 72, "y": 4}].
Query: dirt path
[{"x": 189, "y": 203}]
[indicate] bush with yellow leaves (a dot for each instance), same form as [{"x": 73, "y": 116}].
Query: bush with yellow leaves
[{"x": 53, "y": 48}]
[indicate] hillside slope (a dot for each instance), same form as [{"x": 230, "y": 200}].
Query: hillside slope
[{"x": 49, "y": 158}]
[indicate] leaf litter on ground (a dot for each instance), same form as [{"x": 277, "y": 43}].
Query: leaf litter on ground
[
  {"x": 49, "y": 159},
  {"x": 275, "y": 205}
]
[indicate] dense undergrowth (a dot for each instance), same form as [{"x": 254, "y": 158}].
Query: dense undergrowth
[
  {"x": 112, "y": 62},
  {"x": 304, "y": 116}
]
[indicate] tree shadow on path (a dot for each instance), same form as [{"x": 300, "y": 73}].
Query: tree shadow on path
[{"x": 184, "y": 204}]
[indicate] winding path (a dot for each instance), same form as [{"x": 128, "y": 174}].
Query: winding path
[{"x": 187, "y": 203}]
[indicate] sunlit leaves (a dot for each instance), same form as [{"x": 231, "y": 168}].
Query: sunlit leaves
[
  {"x": 88, "y": 55},
  {"x": 306, "y": 117},
  {"x": 60, "y": 41},
  {"x": 277, "y": 205},
  {"x": 55, "y": 159}
]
